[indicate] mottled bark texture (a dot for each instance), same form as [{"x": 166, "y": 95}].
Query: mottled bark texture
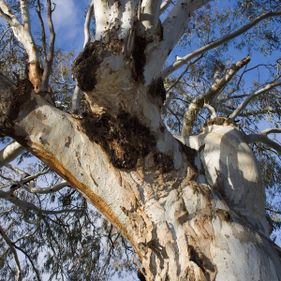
[{"x": 190, "y": 214}]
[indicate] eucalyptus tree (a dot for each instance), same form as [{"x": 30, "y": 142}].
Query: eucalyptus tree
[{"x": 188, "y": 197}]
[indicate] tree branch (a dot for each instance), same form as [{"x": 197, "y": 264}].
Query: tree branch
[
  {"x": 22, "y": 33},
  {"x": 25, "y": 15},
  {"x": 183, "y": 60},
  {"x": 198, "y": 102},
  {"x": 43, "y": 32},
  {"x": 50, "y": 57},
  {"x": 87, "y": 23},
  {"x": 53, "y": 139},
  {"x": 263, "y": 138},
  {"x": 171, "y": 35},
  {"x": 259, "y": 92},
  {"x": 14, "y": 252},
  {"x": 150, "y": 12},
  {"x": 76, "y": 98},
  {"x": 10, "y": 152},
  {"x": 164, "y": 5},
  {"x": 27, "y": 206},
  {"x": 54, "y": 188}
]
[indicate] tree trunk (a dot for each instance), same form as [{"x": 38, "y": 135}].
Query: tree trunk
[{"x": 190, "y": 214}]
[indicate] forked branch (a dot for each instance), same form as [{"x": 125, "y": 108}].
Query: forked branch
[
  {"x": 263, "y": 138},
  {"x": 198, "y": 102}
]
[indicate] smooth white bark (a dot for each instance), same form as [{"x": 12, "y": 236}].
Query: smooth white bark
[{"x": 10, "y": 152}]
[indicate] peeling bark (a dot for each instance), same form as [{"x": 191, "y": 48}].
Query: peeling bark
[
  {"x": 184, "y": 220},
  {"x": 191, "y": 213}
]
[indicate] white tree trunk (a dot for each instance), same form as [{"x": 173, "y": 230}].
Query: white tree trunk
[
  {"x": 180, "y": 227},
  {"x": 189, "y": 214}
]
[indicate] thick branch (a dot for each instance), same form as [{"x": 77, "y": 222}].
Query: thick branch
[
  {"x": 183, "y": 60},
  {"x": 53, "y": 135},
  {"x": 198, "y": 102},
  {"x": 259, "y": 92},
  {"x": 171, "y": 35},
  {"x": 263, "y": 138},
  {"x": 150, "y": 11},
  {"x": 10, "y": 152}
]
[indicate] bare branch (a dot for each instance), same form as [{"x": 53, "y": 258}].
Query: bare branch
[
  {"x": 49, "y": 61},
  {"x": 164, "y": 5},
  {"x": 198, "y": 102},
  {"x": 182, "y": 60},
  {"x": 24, "y": 36},
  {"x": 43, "y": 32},
  {"x": 25, "y": 15},
  {"x": 30, "y": 260},
  {"x": 150, "y": 12},
  {"x": 14, "y": 252},
  {"x": 89, "y": 14},
  {"x": 76, "y": 98},
  {"x": 259, "y": 92},
  {"x": 21, "y": 33},
  {"x": 262, "y": 137},
  {"x": 211, "y": 110},
  {"x": 27, "y": 206},
  {"x": 10, "y": 152},
  {"x": 271, "y": 131},
  {"x": 50, "y": 189}
]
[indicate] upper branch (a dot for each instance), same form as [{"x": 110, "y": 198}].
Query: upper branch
[
  {"x": 262, "y": 137},
  {"x": 182, "y": 60},
  {"x": 198, "y": 102},
  {"x": 25, "y": 15},
  {"x": 150, "y": 11},
  {"x": 164, "y": 5},
  {"x": 21, "y": 32},
  {"x": 76, "y": 97},
  {"x": 50, "y": 57},
  {"x": 89, "y": 14},
  {"x": 171, "y": 35},
  {"x": 10, "y": 152},
  {"x": 263, "y": 90},
  {"x": 43, "y": 32}
]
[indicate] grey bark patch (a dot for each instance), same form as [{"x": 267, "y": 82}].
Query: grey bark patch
[
  {"x": 207, "y": 267},
  {"x": 123, "y": 137},
  {"x": 163, "y": 162},
  {"x": 157, "y": 89},
  {"x": 68, "y": 142}
]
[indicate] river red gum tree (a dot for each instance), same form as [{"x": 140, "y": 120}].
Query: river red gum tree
[{"x": 193, "y": 207}]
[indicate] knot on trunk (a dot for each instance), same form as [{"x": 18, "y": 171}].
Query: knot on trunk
[
  {"x": 88, "y": 62},
  {"x": 221, "y": 121},
  {"x": 124, "y": 138},
  {"x": 11, "y": 99}
]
